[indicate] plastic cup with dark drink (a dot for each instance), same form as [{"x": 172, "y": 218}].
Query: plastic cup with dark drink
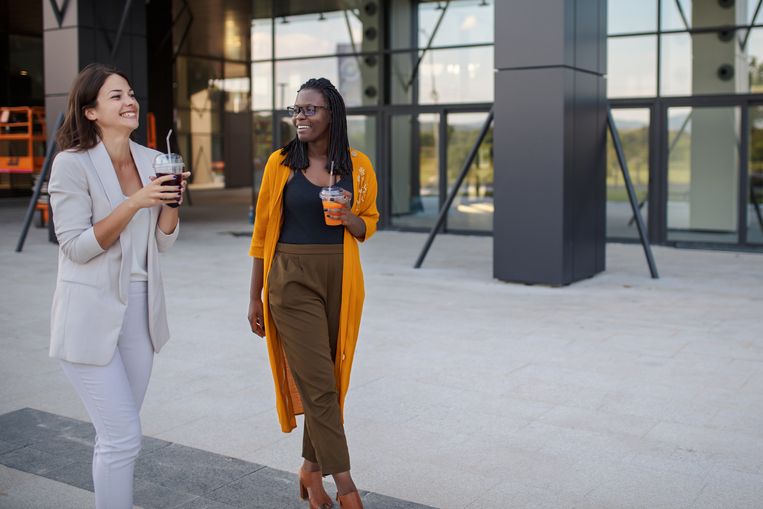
[{"x": 170, "y": 164}]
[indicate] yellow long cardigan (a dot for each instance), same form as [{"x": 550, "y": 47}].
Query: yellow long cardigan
[{"x": 267, "y": 229}]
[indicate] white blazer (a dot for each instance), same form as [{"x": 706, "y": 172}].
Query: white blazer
[{"x": 92, "y": 286}]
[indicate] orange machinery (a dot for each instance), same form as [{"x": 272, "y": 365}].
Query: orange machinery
[
  {"x": 22, "y": 139},
  {"x": 22, "y": 148}
]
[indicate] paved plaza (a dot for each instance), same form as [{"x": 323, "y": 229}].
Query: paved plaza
[{"x": 616, "y": 392}]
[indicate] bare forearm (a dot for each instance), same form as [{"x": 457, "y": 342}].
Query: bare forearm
[
  {"x": 255, "y": 288},
  {"x": 356, "y": 226},
  {"x": 108, "y": 229},
  {"x": 168, "y": 219}
]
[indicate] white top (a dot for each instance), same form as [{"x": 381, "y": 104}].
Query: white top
[{"x": 139, "y": 228}]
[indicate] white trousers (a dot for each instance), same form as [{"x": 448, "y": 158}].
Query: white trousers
[{"x": 113, "y": 395}]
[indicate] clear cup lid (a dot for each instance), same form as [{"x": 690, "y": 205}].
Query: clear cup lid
[{"x": 167, "y": 159}]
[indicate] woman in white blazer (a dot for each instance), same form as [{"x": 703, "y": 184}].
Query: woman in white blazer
[{"x": 109, "y": 315}]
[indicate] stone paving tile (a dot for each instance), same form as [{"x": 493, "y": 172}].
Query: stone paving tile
[
  {"x": 167, "y": 475},
  {"x": 149, "y": 495},
  {"x": 74, "y": 450},
  {"x": 33, "y": 461},
  {"x": 204, "y": 503},
  {"x": 514, "y": 494},
  {"x": 191, "y": 470},
  {"x": 10, "y": 446},
  {"x": 21, "y": 490},
  {"x": 77, "y": 474},
  {"x": 376, "y": 501},
  {"x": 725, "y": 488},
  {"x": 264, "y": 489}
]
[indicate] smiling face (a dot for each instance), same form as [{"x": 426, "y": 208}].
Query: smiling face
[
  {"x": 316, "y": 127},
  {"x": 116, "y": 108}
]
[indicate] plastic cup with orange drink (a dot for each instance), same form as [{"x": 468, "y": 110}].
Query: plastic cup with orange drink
[{"x": 333, "y": 198}]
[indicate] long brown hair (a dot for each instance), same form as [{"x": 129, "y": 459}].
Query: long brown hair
[{"x": 77, "y": 131}]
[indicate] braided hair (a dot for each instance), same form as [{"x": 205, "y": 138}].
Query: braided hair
[{"x": 339, "y": 145}]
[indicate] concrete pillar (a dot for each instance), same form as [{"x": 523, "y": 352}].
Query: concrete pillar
[
  {"x": 719, "y": 66},
  {"x": 402, "y": 169},
  {"x": 550, "y": 108},
  {"x": 87, "y": 33}
]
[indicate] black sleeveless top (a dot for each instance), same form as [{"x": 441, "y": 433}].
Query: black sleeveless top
[{"x": 303, "y": 221}]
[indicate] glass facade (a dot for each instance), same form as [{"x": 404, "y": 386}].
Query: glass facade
[
  {"x": 417, "y": 77},
  {"x": 684, "y": 82}
]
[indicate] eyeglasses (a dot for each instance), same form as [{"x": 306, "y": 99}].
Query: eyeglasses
[{"x": 308, "y": 110}]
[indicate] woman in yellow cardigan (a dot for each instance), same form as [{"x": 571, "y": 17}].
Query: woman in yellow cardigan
[{"x": 306, "y": 292}]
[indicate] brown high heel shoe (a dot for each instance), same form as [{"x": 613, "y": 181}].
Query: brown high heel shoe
[
  {"x": 350, "y": 500},
  {"x": 311, "y": 489}
]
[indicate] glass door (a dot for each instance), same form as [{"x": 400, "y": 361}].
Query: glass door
[
  {"x": 414, "y": 176},
  {"x": 472, "y": 209},
  {"x": 703, "y": 173}
]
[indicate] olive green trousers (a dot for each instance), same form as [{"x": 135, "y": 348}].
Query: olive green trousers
[{"x": 305, "y": 296}]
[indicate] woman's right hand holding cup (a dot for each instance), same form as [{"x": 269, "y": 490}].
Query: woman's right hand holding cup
[{"x": 155, "y": 193}]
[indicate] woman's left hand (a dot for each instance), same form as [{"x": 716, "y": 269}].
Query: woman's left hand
[
  {"x": 343, "y": 214},
  {"x": 183, "y": 185}
]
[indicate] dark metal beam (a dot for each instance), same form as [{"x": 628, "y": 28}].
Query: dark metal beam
[
  {"x": 186, "y": 30},
  {"x": 631, "y": 195},
  {"x": 120, "y": 30},
  {"x": 428, "y": 47},
  {"x": 682, "y": 13},
  {"x": 752, "y": 22},
  {"x": 49, "y": 154}
]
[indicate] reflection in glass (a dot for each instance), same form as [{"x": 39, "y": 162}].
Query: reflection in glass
[
  {"x": 198, "y": 96},
  {"x": 445, "y": 76},
  {"x": 627, "y": 16},
  {"x": 361, "y": 130},
  {"x": 754, "y": 57},
  {"x": 632, "y": 66},
  {"x": 286, "y": 131},
  {"x": 333, "y": 32},
  {"x": 703, "y": 174},
  {"x": 472, "y": 208},
  {"x": 262, "y": 83},
  {"x": 205, "y": 27},
  {"x": 235, "y": 86},
  {"x": 707, "y": 63},
  {"x": 195, "y": 83},
  {"x": 236, "y": 30},
  {"x": 688, "y": 14},
  {"x": 633, "y": 128},
  {"x": 400, "y": 82},
  {"x": 414, "y": 170},
  {"x": 463, "y": 22},
  {"x": 675, "y": 65},
  {"x": 355, "y": 79},
  {"x": 262, "y": 144},
  {"x": 262, "y": 38},
  {"x": 755, "y": 183}
]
